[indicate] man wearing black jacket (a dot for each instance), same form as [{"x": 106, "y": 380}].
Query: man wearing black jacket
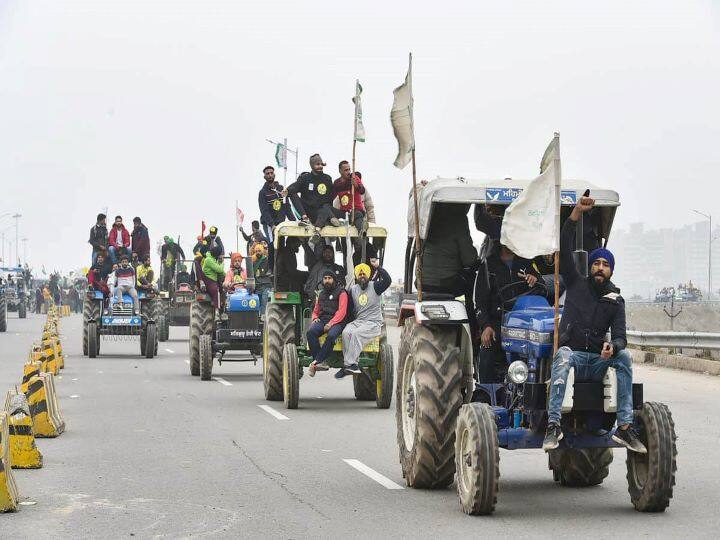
[
  {"x": 499, "y": 270},
  {"x": 273, "y": 209},
  {"x": 98, "y": 237},
  {"x": 592, "y": 306},
  {"x": 312, "y": 195}
]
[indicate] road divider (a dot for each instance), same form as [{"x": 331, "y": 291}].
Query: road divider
[
  {"x": 44, "y": 407},
  {"x": 8, "y": 488},
  {"x": 24, "y": 454}
]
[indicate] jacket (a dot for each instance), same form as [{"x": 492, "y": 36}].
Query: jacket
[
  {"x": 314, "y": 279},
  {"x": 272, "y": 207},
  {"x": 232, "y": 278},
  {"x": 493, "y": 275},
  {"x": 173, "y": 250},
  {"x": 123, "y": 241},
  {"x": 589, "y": 310},
  {"x": 141, "y": 241},
  {"x": 209, "y": 243},
  {"x": 367, "y": 202},
  {"x": 212, "y": 269},
  {"x": 316, "y": 190},
  {"x": 331, "y": 307},
  {"x": 343, "y": 191},
  {"x": 449, "y": 247},
  {"x": 98, "y": 237},
  {"x": 145, "y": 275}
]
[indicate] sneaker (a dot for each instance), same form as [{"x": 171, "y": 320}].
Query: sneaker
[
  {"x": 553, "y": 436},
  {"x": 340, "y": 373},
  {"x": 321, "y": 366},
  {"x": 312, "y": 368},
  {"x": 629, "y": 439},
  {"x": 353, "y": 369},
  {"x": 335, "y": 222}
]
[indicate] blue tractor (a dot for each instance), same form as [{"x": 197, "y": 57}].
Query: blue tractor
[
  {"x": 239, "y": 329},
  {"x": 117, "y": 321},
  {"x": 452, "y": 427}
]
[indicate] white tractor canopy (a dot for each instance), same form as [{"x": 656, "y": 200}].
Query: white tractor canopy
[{"x": 502, "y": 193}]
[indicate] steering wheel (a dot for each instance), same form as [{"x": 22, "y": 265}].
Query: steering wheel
[{"x": 512, "y": 291}]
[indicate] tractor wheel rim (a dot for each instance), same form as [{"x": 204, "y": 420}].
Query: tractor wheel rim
[
  {"x": 466, "y": 461},
  {"x": 409, "y": 408}
]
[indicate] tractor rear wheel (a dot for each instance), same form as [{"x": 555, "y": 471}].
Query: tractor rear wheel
[
  {"x": 580, "y": 467},
  {"x": 291, "y": 376},
  {"x": 384, "y": 385},
  {"x": 428, "y": 398},
  {"x": 201, "y": 323},
  {"x": 91, "y": 311},
  {"x": 163, "y": 326},
  {"x": 477, "y": 459},
  {"x": 651, "y": 476},
  {"x": 150, "y": 347},
  {"x": 364, "y": 387},
  {"x": 279, "y": 330},
  {"x": 22, "y": 310},
  {"x": 206, "y": 357}
]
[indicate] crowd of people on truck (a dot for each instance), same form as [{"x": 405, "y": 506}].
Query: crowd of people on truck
[{"x": 492, "y": 281}]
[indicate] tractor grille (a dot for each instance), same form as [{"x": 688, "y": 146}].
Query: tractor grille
[
  {"x": 243, "y": 319},
  {"x": 122, "y": 310}
]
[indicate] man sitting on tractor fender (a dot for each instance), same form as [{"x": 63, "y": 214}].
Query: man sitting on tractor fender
[
  {"x": 328, "y": 317},
  {"x": 145, "y": 275},
  {"x": 236, "y": 275},
  {"x": 592, "y": 305},
  {"x": 366, "y": 297}
]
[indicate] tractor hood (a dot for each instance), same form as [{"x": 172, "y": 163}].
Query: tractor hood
[
  {"x": 242, "y": 300},
  {"x": 528, "y": 328}
]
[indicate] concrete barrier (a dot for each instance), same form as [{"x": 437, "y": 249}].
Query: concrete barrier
[
  {"x": 30, "y": 370},
  {"x": 24, "y": 454},
  {"x": 676, "y": 361},
  {"x": 8, "y": 488},
  {"x": 44, "y": 407}
]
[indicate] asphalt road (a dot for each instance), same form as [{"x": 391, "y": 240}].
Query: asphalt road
[{"x": 150, "y": 451}]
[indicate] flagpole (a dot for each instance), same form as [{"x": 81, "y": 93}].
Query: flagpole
[
  {"x": 285, "y": 168},
  {"x": 237, "y": 228},
  {"x": 556, "y": 321},
  {"x": 418, "y": 260}
]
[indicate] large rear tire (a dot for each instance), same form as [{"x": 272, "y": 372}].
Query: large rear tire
[
  {"x": 22, "y": 310},
  {"x": 580, "y": 467},
  {"x": 651, "y": 476},
  {"x": 477, "y": 459},
  {"x": 291, "y": 376},
  {"x": 92, "y": 339},
  {"x": 279, "y": 331},
  {"x": 91, "y": 311},
  {"x": 201, "y": 323},
  {"x": 206, "y": 357},
  {"x": 429, "y": 397},
  {"x": 3, "y": 312},
  {"x": 384, "y": 385},
  {"x": 364, "y": 387},
  {"x": 150, "y": 348},
  {"x": 163, "y": 328}
]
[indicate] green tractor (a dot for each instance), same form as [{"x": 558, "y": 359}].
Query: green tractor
[{"x": 287, "y": 317}]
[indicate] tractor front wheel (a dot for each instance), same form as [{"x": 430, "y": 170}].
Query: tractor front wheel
[
  {"x": 22, "y": 310},
  {"x": 92, "y": 339},
  {"x": 150, "y": 341},
  {"x": 651, "y": 476},
  {"x": 477, "y": 459},
  {"x": 291, "y": 376},
  {"x": 364, "y": 387},
  {"x": 278, "y": 331},
  {"x": 206, "y": 357},
  {"x": 384, "y": 385}
]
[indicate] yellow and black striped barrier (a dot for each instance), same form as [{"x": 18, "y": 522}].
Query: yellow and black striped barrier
[
  {"x": 30, "y": 369},
  {"x": 8, "y": 488},
  {"x": 44, "y": 408},
  {"x": 24, "y": 454}
]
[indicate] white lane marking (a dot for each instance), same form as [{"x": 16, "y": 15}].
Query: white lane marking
[
  {"x": 100, "y": 372},
  {"x": 74, "y": 396},
  {"x": 170, "y": 351},
  {"x": 187, "y": 361},
  {"x": 222, "y": 381},
  {"x": 268, "y": 409},
  {"x": 371, "y": 473},
  {"x": 75, "y": 379}
]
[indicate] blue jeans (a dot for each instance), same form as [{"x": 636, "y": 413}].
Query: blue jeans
[
  {"x": 115, "y": 253},
  {"x": 589, "y": 367},
  {"x": 317, "y": 329}
]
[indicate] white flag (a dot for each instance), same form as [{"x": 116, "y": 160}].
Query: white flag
[
  {"x": 281, "y": 156},
  {"x": 359, "y": 128},
  {"x": 401, "y": 117},
  {"x": 531, "y": 225}
]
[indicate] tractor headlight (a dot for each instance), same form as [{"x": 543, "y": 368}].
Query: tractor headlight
[{"x": 518, "y": 372}]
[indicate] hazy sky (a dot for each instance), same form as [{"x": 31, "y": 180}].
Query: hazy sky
[{"x": 161, "y": 108}]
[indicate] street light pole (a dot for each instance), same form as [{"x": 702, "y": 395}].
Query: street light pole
[
  {"x": 24, "y": 241},
  {"x": 710, "y": 239}
]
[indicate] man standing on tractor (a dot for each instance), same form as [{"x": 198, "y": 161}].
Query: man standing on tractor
[
  {"x": 343, "y": 188},
  {"x": 98, "y": 237},
  {"x": 328, "y": 317},
  {"x": 213, "y": 275},
  {"x": 126, "y": 279},
  {"x": 145, "y": 275},
  {"x": 169, "y": 254},
  {"x": 366, "y": 299},
  {"x": 592, "y": 305},
  {"x": 212, "y": 240},
  {"x": 140, "y": 239},
  {"x": 273, "y": 209},
  {"x": 118, "y": 240},
  {"x": 312, "y": 195}
]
